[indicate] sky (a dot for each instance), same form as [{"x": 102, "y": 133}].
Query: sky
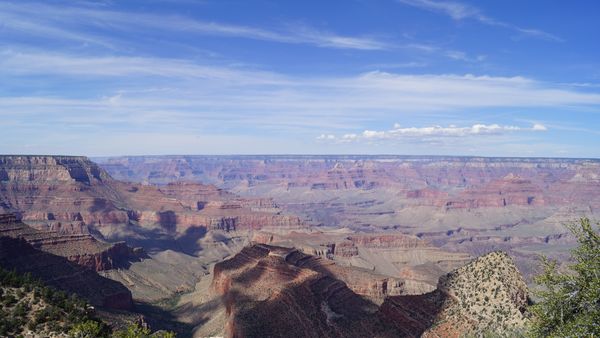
[{"x": 414, "y": 77}]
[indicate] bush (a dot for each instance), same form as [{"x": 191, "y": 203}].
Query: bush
[
  {"x": 570, "y": 302},
  {"x": 88, "y": 329},
  {"x": 137, "y": 331},
  {"x": 133, "y": 331}
]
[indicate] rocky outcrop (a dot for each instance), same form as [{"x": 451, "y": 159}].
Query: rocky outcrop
[
  {"x": 59, "y": 189},
  {"x": 415, "y": 261},
  {"x": 487, "y": 295},
  {"x": 365, "y": 283},
  {"x": 57, "y": 271}
]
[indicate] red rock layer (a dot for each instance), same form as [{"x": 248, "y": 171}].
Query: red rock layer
[
  {"x": 48, "y": 190},
  {"x": 79, "y": 248},
  {"x": 452, "y": 182}
]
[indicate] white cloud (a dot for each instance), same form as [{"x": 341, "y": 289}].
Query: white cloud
[
  {"x": 326, "y": 137},
  {"x": 184, "y": 93},
  {"x": 455, "y": 10},
  {"x": 399, "y": 132},
  {"x": 461, "y": 11}
]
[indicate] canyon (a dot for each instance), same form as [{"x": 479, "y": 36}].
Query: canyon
[
  {"x": 373, "y": 245},
  {"x": 469, "y": 205}
]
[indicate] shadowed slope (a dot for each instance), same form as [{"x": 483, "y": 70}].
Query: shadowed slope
[
  {"x": 57, "y": 271},
  {"x": 272, "y": 291}
]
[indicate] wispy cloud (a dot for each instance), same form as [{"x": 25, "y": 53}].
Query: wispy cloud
[
  {"x": 186, "y": 94},
  {"x": 399, "y": 65},
  {"x": 42, "y": 63},
  {"x": 119, "y": 96},
  {"x": 125, "y": 32},
  {"x": 462, "y": 56},
  {"x": 57, "y": 22},
  {"x": 462, "y": 11},
  {"x": 400, "y": 132},
  {"x": 372, "y": 90}
]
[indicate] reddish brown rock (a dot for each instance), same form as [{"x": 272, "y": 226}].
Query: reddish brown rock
[
  {"x": 78, "y": 246},
  {"x": 275, "y": 291},
  {"x": 57, "y": 271},
  {"x": 454, "y": 182},
  {"x": 57, "y": 192}
]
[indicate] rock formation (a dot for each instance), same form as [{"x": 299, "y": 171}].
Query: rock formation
[
  {"x": 407, "y": 257},
  {"x": 460, "y": 204},
  {"x": 66, "y": 193},
  {"x": 265, "y": 295},
  {"x": 57, "y": 271},
  {"x": 79, "y": 248},
  {"x": 488, "y": 294},
  {"x": 269, "y": 291}
]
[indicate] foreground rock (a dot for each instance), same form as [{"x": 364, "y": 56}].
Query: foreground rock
[
  {"x": 488, "y": 295},
  {"x": 266, "y": 292}
]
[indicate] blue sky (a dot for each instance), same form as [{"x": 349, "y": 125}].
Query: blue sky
[{"x": 491, "y": 78}]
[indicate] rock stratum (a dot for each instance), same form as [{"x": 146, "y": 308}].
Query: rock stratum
[
  {"x": 445, "y": 182},
  {"x": 309, "y": 246},
  {"x": 462, "y": 204},
  {"x": 271, "y": 291},
  {"x": 77, "y": 246},
  {"x": 69, "y": 195},
  {"x": 65, "y": 261},
  {"x": 60, "y": 190}
]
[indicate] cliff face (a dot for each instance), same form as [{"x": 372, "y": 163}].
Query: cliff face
[
  {"x": 416, "y": 261},
  {"x": 274, "y": 291},
  {"x": 78, "y": 247},
  {"x": 348, "y": 172},
  {"x": 392, "y": 190},
  {"x": 57, "y": 271},
  {"x": 61, "y": 192},
  {"x": 59, "y": 189}
]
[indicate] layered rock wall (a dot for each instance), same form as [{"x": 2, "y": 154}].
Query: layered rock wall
[{"x": 57, "y": 271}]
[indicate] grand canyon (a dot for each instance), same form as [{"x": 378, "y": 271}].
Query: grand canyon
[
  {"x": 265, "y": 168},
  {"x": 314, "y": 246}
]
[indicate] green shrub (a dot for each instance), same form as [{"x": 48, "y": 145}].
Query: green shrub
[
  {"x": 88, "y": 329},
  {"x": 570, "y": 302}
]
